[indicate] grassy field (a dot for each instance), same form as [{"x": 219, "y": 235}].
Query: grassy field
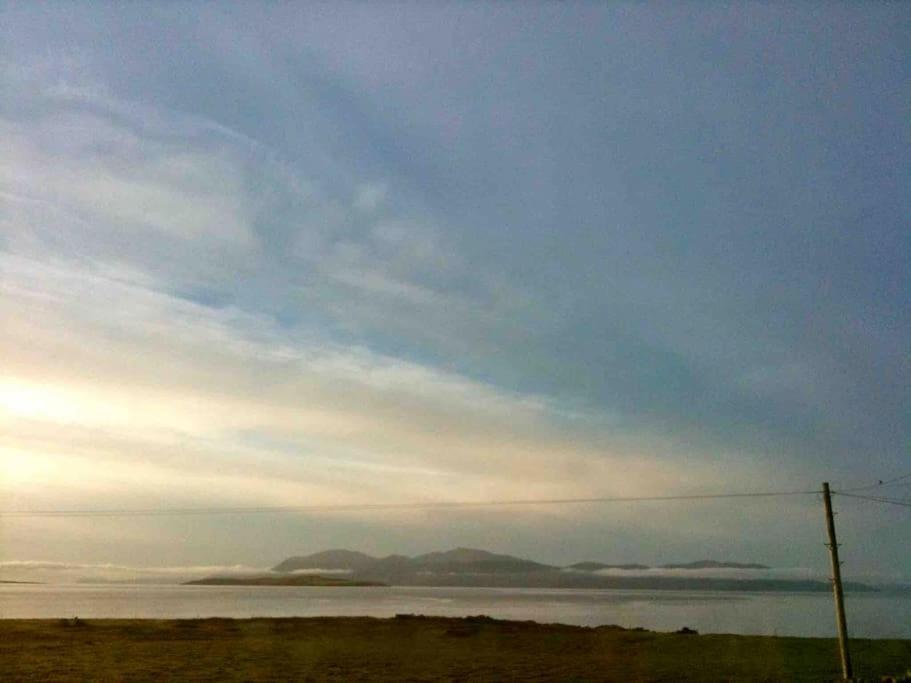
[{"x": 416, "y": 649}]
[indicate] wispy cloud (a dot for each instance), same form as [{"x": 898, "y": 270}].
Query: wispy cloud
[{"x": 225, "y": 380}]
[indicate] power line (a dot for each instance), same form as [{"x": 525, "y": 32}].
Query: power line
[
  {"x": 429, "y": 505},
  {"x": 878, "y": 499},
  {"x": 880, "y": 484},
  {"x": 387, "y": 506}
]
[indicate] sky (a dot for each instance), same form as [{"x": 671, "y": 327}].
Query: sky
[{"x": 287, "y": 254}]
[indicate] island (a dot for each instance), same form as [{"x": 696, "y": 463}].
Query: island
[
  {"x": 292, "y": 580},
  {"x": 472, "y": 567}
]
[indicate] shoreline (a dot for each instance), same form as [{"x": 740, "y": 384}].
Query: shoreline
[{"x": 414, "y": 647}]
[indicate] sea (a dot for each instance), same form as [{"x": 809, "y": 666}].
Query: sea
[{"x": 884, "y": 614}]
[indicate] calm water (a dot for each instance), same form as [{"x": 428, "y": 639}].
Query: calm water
[{"x": 876, "y": 615}]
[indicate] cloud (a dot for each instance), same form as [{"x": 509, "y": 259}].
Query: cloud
[
  {"x": 158, "y": 372},
  {"x": 198, "y": 209},
  {"x": 347, "y": 263},
  {"x": 109, "y": 349},
  {"x": 117, "y": 395},
  {"x": 370, "y": 196}
]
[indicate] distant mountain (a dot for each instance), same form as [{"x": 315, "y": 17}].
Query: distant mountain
[
  {"x": 458, "y": 561},
  {"x": 712, "y": 564},
  {"x": 469, "y": 560},
  {"x": 390, "y": 566},
  {"x": 347, "y": 560},
  {"x": 472, "y": 567}
]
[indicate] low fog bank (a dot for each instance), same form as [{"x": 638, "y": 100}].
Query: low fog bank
[
  {"x": 37, "y": 571},
  {"x": 62, "y": 572},
  {"x": 792, "y": 573}
]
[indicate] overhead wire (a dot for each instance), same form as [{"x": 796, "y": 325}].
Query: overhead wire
[
  {"x": 878, "y": 499},
  {"x": 160, "y": 512},
  {"x": 429, "y": 505},
  {"x": 880, "y": 484}
]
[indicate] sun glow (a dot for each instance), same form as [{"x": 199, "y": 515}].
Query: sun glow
[
  {"x": 37, "y": 401},
  {"x": 18, "y": 468}
]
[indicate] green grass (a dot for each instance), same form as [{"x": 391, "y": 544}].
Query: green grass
[{"x": 417, "y": 649}]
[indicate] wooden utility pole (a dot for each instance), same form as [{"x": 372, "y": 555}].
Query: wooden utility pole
[{"x": 846, "y": 670}]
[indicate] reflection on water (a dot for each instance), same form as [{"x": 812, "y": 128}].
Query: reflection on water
[{"x": 870, "y": 615}]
